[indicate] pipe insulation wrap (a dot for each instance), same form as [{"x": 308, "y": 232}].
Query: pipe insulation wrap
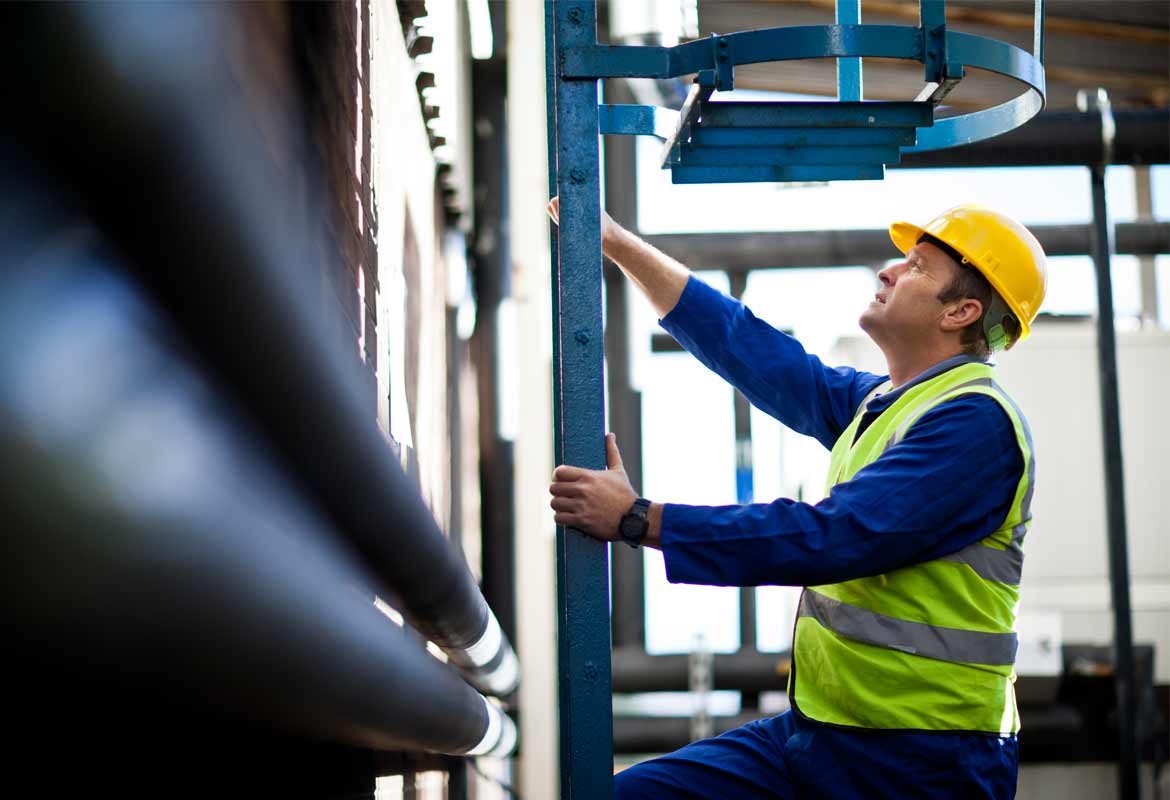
[
  {"x": 499, "y": 739},
  {"x": 150, "y": 534},
  {"x": 240, "y": 282}
]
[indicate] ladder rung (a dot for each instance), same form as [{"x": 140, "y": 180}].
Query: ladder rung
[
  {"x": 816, "y": 115},
  {"x": 758, "y": 174},
  {"x": 818, "y": 137},
  {"x": 789, "y": 156}
]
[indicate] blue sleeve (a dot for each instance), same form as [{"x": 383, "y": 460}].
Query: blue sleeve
[
  {"x": 772, "y": 369},
  {"x": 949, "y": 482}
]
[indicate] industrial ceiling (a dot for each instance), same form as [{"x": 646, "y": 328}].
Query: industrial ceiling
[{"x": 1121, "y": 45}]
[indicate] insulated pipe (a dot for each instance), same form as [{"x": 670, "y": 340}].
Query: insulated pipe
[
  {"x": 740, "y": 252},
  {"x": 159, "y": 560},
  {"x": 148, "y": 93}
]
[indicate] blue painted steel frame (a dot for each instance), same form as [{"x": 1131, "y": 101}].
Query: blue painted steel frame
[
  {"x": 849, "y": 85},
  {"x": 583, "y": 645},
  {"x": 955, "y": 52}
]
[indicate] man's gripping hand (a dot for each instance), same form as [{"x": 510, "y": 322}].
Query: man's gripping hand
[{"x": 593, "y": 500}]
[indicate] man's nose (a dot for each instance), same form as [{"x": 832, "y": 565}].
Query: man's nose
[{"x": 887, "y": 275}]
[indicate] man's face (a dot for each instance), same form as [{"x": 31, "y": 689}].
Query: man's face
[{"x": 906, "y": 306}]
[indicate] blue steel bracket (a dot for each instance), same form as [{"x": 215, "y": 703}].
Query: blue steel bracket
[
  {"x": 932, "y": 16},
  {"x": 737, "y": 142},
  {"x": 634, "y": 120},
  {"x": 724, "y": 65},
  {"x": 956, "y": 53}
]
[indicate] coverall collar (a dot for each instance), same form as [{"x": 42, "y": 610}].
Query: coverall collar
[{"x": 883, "y": 401}]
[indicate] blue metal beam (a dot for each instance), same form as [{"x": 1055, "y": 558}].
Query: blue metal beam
[
  {"x": 586, "y": 719},
  {"x": 849, "y": 86},
  {"x": 953, "y": 53},
  {"x": 827, "y": 114},
  {"x": 789, "y": 156},
  {"x": 769, "y": 173},
  {"x": 822, "y": 137},
  {"x": 637, "y": 120}
]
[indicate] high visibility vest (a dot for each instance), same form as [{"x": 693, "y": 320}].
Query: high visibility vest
[{"x": 929, "y": 646}]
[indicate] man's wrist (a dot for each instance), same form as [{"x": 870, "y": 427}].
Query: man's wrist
[
  {"x": 654, "y": 531},
  {"x": 613, "y": 236}
]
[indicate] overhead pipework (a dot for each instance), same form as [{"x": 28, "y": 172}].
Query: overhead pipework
[{"x": 712, "y": 141}]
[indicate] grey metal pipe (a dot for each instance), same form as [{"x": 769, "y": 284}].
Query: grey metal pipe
[
  {"x": 148, "y": 91},
  {"x": 664, "y": 734},
  {"x": 1125, "y": 677},
  {"x": 150, "y": 538},
  {"x": 740, "y": 252},
  {"x": 1068, "y": 138},
  {"x": 635, "y": 670}
]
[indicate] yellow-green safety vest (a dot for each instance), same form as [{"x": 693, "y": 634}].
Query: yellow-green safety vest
[{"x": 929, "y": 646}]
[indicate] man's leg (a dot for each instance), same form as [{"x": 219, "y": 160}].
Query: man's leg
[{"x": 746, "y": 763}]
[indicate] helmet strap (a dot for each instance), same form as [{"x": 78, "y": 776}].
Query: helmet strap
[{"x": 997, "y": 323}]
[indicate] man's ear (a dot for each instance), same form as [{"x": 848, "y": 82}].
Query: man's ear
[{"x": 961, "y": 313}]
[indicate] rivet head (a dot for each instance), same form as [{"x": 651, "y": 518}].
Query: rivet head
[
  {"x": 582, "y": 336},
  {"x": 590, "y": 670},
  {"x": 724, "y": 43},
  {"x": 576, "y": 15},
  {"x": 577, "y": 175}
]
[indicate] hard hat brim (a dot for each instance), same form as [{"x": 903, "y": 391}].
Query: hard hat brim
[{"x": 905, "y": 235}]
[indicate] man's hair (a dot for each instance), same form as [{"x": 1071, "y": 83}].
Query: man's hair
[{"x": 968, "y": 282}]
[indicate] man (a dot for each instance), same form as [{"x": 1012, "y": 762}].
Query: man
[{"x": 901, "y": 680}]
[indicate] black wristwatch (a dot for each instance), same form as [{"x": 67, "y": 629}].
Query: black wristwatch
[{"x": 635, "y": 524}]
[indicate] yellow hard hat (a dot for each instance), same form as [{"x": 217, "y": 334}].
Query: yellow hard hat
[{"x": 1002, "y": 249}]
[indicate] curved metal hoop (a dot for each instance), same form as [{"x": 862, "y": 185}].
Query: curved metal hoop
[{"x": 836, "y": 41}]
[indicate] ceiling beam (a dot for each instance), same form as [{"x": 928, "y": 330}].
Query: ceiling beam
[{"x": 1096, "y": 29}]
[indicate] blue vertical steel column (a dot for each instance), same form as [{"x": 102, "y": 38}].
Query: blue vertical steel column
[
  {"x": 1128, "y": 762},
  {"x": 849, "y": 69},
  {"x": 586, "y": 716}
]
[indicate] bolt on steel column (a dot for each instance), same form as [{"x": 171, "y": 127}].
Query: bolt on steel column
[{"x": 586, "y": 716}]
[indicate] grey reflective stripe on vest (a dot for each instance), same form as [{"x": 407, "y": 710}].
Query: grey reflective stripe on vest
[
  {"x": 916, "y": 638},
  {"x": 990, "y": 563},
  {"x": 993, "y": 564}
]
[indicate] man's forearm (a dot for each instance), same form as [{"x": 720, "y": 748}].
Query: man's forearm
[{"x": 657, "y": 275}]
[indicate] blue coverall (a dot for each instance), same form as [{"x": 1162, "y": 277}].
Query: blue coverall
[{"x": 949, "y": 482}]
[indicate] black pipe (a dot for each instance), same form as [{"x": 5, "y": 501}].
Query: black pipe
[
  {"x": 665, "y": 734},
  {"x": 159, "y": 565},
  {"x": 1128, "y": 759},
  {"x": 740, "y": 252},
  {"x": 143, "y": 95},
  {"x": 1069, "y": 138},
  {"x": 635, "y": 670}
]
